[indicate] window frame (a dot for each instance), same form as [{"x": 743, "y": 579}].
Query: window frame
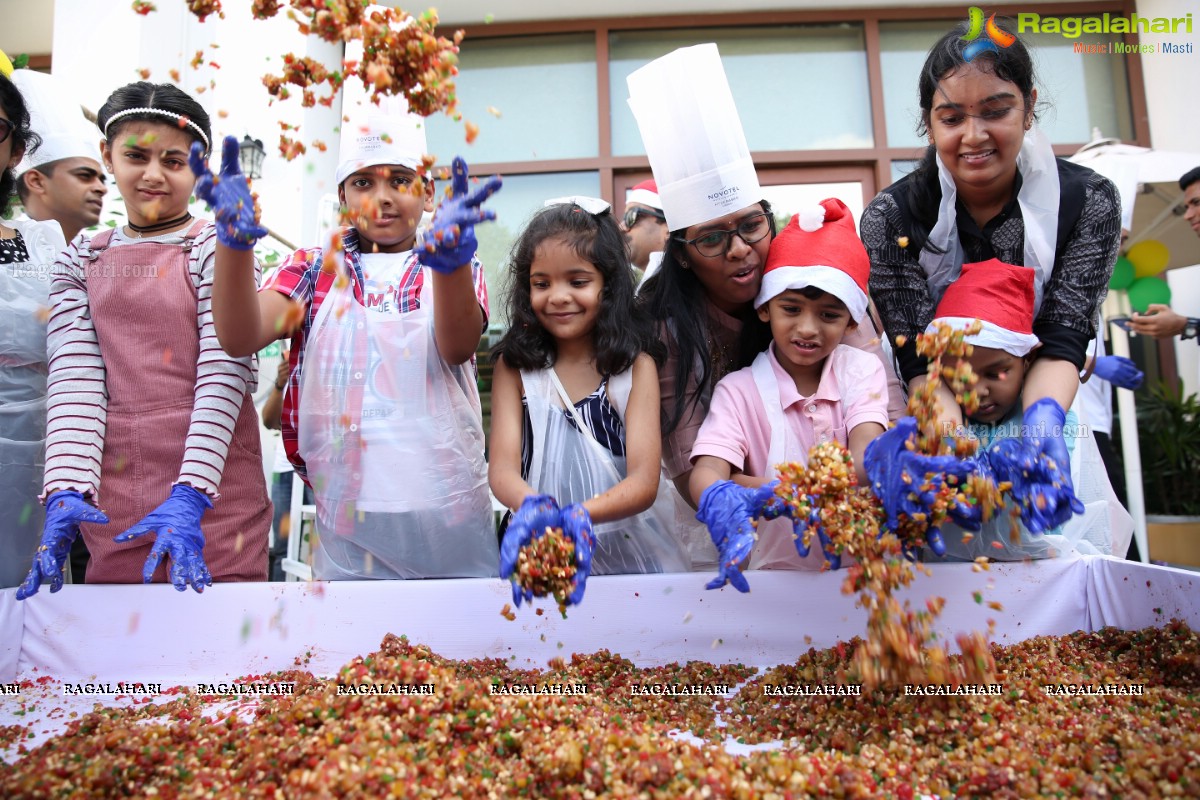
[{"x": 617, "y": 172}]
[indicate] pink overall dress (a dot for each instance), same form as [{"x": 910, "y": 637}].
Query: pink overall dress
[{"x": 143, "y": 305}]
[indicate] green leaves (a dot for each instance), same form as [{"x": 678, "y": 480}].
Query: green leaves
[{"x": 1169, "y": 429}]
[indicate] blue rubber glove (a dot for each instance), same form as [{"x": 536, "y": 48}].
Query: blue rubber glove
[
  {"x": 176, "y": 525},
  {"x": 577, "y": 524},
  {"x": 64, "y": 511},
  {"x": 448, "y": 243},
  {"x": 1040, "y": 470},
  {"x": 897, "y": 475},
  {"x": 537, "y": 512},
  {"x": 1119, "y": 371},
  {"x": 1016, "y": 462},
  {"x": 728, "y": 509},
  {"x": 229, "y": 195},
  {"x": 813, "y": 520}
]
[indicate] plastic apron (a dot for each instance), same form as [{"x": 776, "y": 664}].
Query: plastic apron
[
  {"x": 691, "y": 533},
  {"x": 1105, "y": 527},
  {"x": 142, "y": 315},
  {"x": 425, "y": 510},
  {"x": 776, "y": 545},
  {"x": 568, "y": 464},
  {"x": 24, "y": 293}
]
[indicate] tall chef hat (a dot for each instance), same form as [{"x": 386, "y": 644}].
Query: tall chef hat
[
  {"x": 693, "y": 136},
  {"x": 380, "y": 134},
  {"x": 57, "y": 118}
]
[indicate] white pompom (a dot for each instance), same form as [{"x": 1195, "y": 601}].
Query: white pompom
[{"x": 812, "y": 218}]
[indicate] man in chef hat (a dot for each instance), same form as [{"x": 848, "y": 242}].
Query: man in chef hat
[{"x": 61, "y": 180}]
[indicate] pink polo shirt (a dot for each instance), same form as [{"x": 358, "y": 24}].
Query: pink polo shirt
[
  {"x": 853, "y": 391},
  {"x": 736, "y": 428}
]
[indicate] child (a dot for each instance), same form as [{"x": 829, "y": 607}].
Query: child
[
  {"x": 27, "y": 250},
  {"x": 575, "y": 397},
  {"x": 1000, "y": 296},
  {"x": 381, "y": 414},
  {"x": 806, "y": 389},
  {"x": 143, "y": 402}
]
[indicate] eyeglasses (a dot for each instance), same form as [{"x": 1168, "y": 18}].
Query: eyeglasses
[
  {"x": 632, "y": 215},
  {"x": 6, "y": 128},
  {"x": 716, "y": 243}
]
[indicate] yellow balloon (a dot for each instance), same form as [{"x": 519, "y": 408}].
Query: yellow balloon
[
  {"x": 1148, "y": 258},
  {"x": 6, "y": 66}
]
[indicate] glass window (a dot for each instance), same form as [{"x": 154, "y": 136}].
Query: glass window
[
  {"x": 533, "y": 98},
  {"x": 903, "y": 46},
  {"x": 902, "y": 168},
  {"x": 514, "y": 204},
  {"x": 779, "y": 76},
  {"x": 1076, "y": 92},
  {"x": 787, "y": 199}
]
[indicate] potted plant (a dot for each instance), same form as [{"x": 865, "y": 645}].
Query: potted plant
[{"x": 1169, "y": 432}]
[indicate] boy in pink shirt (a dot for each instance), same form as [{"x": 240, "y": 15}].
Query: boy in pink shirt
[{"x": 804, "y": 390}]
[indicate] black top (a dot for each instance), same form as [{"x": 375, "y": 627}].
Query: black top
[
  {"x": 1089, "y": 236},
  {"x": 13, "y": 251}
]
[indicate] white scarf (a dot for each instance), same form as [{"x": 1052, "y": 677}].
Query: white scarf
[{"x": 1038, "y": 199}]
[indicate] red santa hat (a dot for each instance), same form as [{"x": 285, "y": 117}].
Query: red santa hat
[
  {"x": 646, "y": 194},
  {"x": 819, "y": 248},
  {"x": 1001, "y": 297}
]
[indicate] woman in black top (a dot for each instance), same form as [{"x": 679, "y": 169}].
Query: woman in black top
[{"x": 990, "y": 187}]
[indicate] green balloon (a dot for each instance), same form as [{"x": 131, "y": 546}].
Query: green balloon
[
  {"x": 1145, "y": 291},
  {"x": 1122, "y": 275}
]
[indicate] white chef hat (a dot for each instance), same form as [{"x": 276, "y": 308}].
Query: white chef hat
[
  {"x": 376, "y": 134},
  {"x": 693, "y": 136},
  {"x": 57, "y": 118}
]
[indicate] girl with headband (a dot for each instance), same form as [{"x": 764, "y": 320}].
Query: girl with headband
[{"x": 148, "y": 417}]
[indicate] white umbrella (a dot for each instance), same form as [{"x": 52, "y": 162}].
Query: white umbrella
[
  {"x": 1152, "y": 209},
  {"x": 1151, "y": 200}
]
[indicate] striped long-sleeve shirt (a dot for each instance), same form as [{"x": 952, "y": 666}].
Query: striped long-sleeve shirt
[{"x": 77, "y": 392}]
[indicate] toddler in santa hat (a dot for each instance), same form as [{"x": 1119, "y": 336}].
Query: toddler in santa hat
[
  {"x": 806, "y": 389},
  {"x": 1000, "y": 297}
]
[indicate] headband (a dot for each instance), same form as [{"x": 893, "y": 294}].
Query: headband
[
  {"x": 592, "y": 205},
  {"x": 182, "y": 121}
]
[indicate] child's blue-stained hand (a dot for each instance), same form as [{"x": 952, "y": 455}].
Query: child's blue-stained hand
[
  {"x": 537, "y": 513},
  {"x": 1044, "y": 499},
  {"x": 729, "y": 511},
  {"x": 64, "y": 511},
  {"x": 907, "y": 483},
  {"x": 812, "y": 520},
  {"x": 577, "y": 525},
  {"x": 229, "y": 196},
  {"x": 1119, "y": 371},
  {"x": 448, "y": 243},
  {"x": 176, "y": 526},
  {"x": 1051, "y": 496}
]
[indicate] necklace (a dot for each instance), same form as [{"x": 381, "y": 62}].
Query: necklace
[{"x": 159, "y": 226}]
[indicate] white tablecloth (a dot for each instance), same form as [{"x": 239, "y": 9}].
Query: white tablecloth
[{"x": 153, "y": 633}]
